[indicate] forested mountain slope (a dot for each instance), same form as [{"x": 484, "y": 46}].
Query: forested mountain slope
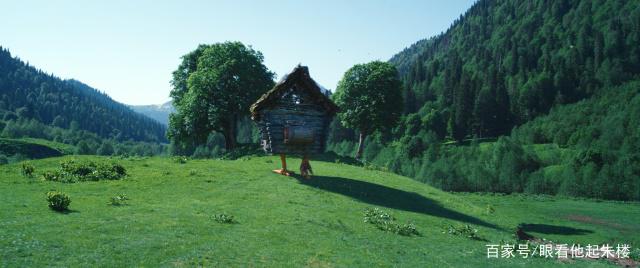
[
  {"x": 29, "y": 93},
  {"x": 551, "y": 87},
  {"x": 505, "y": 62}
]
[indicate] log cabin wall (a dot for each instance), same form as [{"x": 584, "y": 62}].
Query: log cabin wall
[{"x": 293, "y": 109}]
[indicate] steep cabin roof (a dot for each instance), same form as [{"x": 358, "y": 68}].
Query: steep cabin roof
[{"x": 300, "y": 78}]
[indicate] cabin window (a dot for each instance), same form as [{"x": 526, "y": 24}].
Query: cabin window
[{"x": 293, "y": 96}]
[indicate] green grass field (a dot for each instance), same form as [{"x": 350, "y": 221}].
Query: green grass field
[{"x": 281, "y": 221}]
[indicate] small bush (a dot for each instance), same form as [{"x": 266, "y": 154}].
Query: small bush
[
  {"x": 465, "y": 231},
  {"x": 28, "y": 170},
  {"x": 384, "y": 221},
  {"x": 406, "y": 229},
  {"x": 58, "y": 201},
  {"x": 72, "y": 171},
  {"x": 119, "y": 200},
  {"x": 490, "y": 209},
  {"x": 193, "y": 172},
  {"x": 180, "y": 159},
  {"x": 59, "y": 176},
  {"x": 224, "y": 218},
  {"x": 376, "y": 216},
  {"x": 4, "y": 159}
]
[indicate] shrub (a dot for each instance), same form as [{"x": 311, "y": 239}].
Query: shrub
[
  {"x": 180, "y": 159},
  {"x": 83, "y": 148},
  {"x": 376, "y": 216},
  {"x": 94, "y": 171},
  {"x": 406, "y": 229},
  {"x": 105, "y": 149},
  {"x": 118, "y": 200},
  {"x": 27, "y": 170},
  {"x": 4, "y": 159},
  {"x": 72, "y": 171},
  {"x": 465, "y": 231},
  {"x": 59, "y": 176},
  {"x": 490, "y": 209},
  {"x": 384, "y": 221},
  {"x": 58, "y": 201},
  {"x": 224, "y": 218}
]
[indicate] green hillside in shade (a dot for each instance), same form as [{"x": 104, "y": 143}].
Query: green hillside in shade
[
  {"x": 33, "y": 148},
  {"x": 281, "y": 221}
]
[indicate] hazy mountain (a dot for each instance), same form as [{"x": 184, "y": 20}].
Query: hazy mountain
[{"x": 159, "y": 112}]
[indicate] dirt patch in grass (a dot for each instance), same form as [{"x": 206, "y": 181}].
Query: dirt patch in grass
[
  {"x": 601, "y": 222},
  {"x": 599, "y": 254}
]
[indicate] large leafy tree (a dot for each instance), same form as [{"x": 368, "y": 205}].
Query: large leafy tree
[
  {"x": 370, "y": 98},
  {"x": 212, "y": 89}
]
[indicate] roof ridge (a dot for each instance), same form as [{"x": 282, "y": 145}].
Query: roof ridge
[{"x": 301, "y": 75}]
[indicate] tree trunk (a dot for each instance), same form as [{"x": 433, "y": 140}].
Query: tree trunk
[
  {"x": 360, "y": 146},
  {"x": 230, "y": 136}
]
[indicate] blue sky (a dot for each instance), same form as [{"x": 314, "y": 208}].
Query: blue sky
[{"x": 128, "y": 49}]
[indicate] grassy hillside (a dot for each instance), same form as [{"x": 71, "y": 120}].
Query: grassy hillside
[
  {"x": 281, "y": 221},
  {"x": 61, "y": 147},
  {"x": 33, "y": 148}
]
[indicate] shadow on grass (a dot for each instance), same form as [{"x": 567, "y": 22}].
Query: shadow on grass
[
  {"x": 553, "y": 229},
  {"x": 335, "y": 158},
  {"x": 66, "y": 211},
  {"x": 380, "y": 195}
]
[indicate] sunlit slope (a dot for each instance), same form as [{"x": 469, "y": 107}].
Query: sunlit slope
[{"x": 281, "y": 220}]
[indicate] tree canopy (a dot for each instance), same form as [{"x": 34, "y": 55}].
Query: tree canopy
[
  {"x": 369, "y": 98},
  {"x": 213, "y": 88}
]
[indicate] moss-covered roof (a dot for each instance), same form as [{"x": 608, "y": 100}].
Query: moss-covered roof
[{"x": 300, "y": 77}]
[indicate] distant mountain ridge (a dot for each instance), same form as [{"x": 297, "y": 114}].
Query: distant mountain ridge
[
  {"x": 30, "y": 93},
  {"x": 158, "y": 112}
]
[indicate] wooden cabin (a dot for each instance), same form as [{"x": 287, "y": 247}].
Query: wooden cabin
[{"x": 294, "y": 116}]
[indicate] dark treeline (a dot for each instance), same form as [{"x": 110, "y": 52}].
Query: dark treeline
[
  {"x": 477, "y": 98},
  {"x": 28, "y": 93},
  {"x": 83, "y": 142}
]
